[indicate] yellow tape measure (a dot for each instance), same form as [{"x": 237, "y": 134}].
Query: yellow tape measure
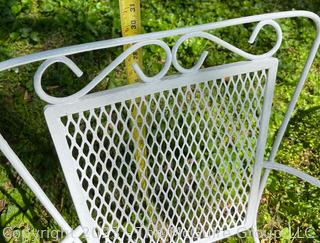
[{"x": 131, "y": 25}]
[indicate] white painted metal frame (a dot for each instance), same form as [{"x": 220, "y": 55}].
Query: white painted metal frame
[{"x": 59, "y": 55}]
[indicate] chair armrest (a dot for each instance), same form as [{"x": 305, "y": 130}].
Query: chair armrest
[{"x": 284, "y": 168}]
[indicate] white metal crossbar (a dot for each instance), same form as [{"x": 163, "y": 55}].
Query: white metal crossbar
[{"x": 177, "y": 158}]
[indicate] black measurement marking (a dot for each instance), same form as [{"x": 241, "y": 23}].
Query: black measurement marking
[
  {"x": 133, "y": 24},
  {"x": 132, "y": 7}
]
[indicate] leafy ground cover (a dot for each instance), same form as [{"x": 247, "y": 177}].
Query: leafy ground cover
[{"x": 27, "y": 26}]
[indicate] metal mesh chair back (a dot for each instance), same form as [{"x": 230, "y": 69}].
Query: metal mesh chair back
[{"x": 168, "y": 161}]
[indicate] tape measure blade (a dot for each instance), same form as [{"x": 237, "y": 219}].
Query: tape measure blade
[{"x": 130, "y": 16}]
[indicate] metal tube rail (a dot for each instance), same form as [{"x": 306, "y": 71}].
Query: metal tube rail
[
  {"x": 292, "y": 171},
  {"x": 34, "y": 186},
  {"x": 70, "y": 50}
]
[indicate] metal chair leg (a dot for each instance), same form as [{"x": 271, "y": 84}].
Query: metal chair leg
[{"x": 255, "y": 233}]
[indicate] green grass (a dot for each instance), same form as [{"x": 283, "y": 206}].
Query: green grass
[{"x": 29, "y": 26}]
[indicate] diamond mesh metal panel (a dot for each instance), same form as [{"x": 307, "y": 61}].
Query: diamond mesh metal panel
[{"x": 171, "y": 165}]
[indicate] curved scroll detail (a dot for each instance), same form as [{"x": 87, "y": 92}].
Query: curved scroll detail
[
  {"x": 38, "y": 76},
  {"x": 71, "y": 98},
  {"x": 226, "y": 45}
]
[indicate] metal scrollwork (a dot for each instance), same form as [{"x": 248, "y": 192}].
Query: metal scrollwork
[
  {"x": 226, "y": 45},
  {"x": 138, "y": 41},
  {"x": 55, "y": 100}
]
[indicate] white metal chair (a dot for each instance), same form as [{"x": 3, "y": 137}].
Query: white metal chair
[{"x": 171, "y": 159}]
